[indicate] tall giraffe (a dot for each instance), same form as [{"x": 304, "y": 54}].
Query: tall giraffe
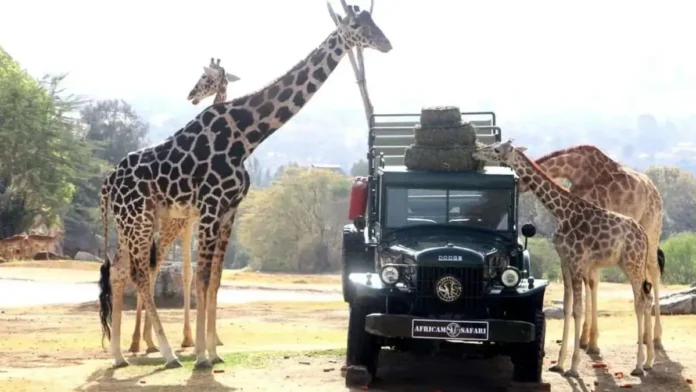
[
  {"x": 198, "y": 172},
  {"x": 597, "y": 178},
  {"x": 213, "y": 81},
  {"x": 587, "y": 238}
]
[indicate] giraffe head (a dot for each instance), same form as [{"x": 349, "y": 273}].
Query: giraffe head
[
  {"x": 213, "y": 81},
  {"x": 359, "y": 30},
  {"x": 501, "y": 152}
]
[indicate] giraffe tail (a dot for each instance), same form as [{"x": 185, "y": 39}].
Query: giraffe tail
[
  {"x": 105, "y": 299},
  {"x": 661, "y": 260},
  {"x": 105, "y": 303}
]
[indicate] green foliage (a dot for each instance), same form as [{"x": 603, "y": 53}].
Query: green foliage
[
  {"x": 544, "y": 260},
  {"x": 678, "y": 190},
  {"x": 359, "y": 168},
  {"x": 680, "y": 256},
  {"x": 295, "y": 224},
  {"x": 42, "y": 151}
]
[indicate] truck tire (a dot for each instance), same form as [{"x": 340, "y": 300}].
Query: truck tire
[
  {"x": 528, "y": 358},
  {"x": 363, "y": 348},
  {"x": 355, "y": 259}
]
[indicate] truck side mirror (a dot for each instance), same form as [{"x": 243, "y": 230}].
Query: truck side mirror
[{"x": 528, "y": 231}]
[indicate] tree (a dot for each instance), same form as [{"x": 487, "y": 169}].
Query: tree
[
  {"x": 41, "y": 151},
  {"x": 295, "y": 224},
  {"x": 678, "y": 190},
  {"x": 116, "y": 129},
  {"x": 359, "y": 168},
  {"x": 680, "y": 253}
]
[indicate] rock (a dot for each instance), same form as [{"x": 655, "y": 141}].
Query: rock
[
  {"x": 84, "y": 256},
  {"x": 678, "y": 302},
  {"x": 553, "y": 312},
  {"x": 50, "y": 256},
  {"x": 169, "y": 288}
]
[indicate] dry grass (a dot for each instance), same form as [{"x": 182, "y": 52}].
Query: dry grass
[{"x": 87, "y": 271}]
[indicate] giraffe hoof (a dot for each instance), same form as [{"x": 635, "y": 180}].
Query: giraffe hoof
[
  {"x": 647, "y": 367},
  {"x": 187, "y": 343},
  {"x": 153, "y": 349},
  {"x": 556, "y": 369},
  {"x": 219, "y": 343},
  {"x": 638, "y": 372},
  {"x": 658, "y": 344},
  {"x": 593, "y": 350},
  {"x": 202, "y": 364},
  {"x": 584, "y": 346},
  {"x": 121, "y": 364},
  {"x": 173, "y": 364},
  {"x": 572, "y": 374},
  {"x": 134, "y": 348},
  {"x": 216, "y": 360}
]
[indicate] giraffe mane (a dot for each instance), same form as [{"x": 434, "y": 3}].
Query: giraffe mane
[
  {"x": 565, "y": 151},
  {"x": 545, "y": 177},
  {"x": 300, "y": 64}
]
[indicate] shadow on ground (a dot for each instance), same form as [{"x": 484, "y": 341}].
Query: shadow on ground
[
  {"x": 402, "y": 372},
  {"x": 104, "y": 380}
]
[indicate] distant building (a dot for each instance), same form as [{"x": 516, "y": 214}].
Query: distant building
[{"x": 334, "y": 168}]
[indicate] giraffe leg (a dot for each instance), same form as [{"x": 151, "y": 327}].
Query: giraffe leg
[
  {"x": 585, "y": 335},
  {"x": 187, "y": 277},
  {"x": 567, "y": 306},
  {"x": 135, "y": 341},
  {"x": 648, "y": 330},
  {"x": 139, "y": 244},
  {"x": 577, "y": 318},
  {"x": 147, "y": 329},
  {"x": 118, "y": 282},
  {"x": 215, "y": 279},
  {"x": 593, "y": 347},
  {"x": 207, "y": 240},
  {"x": 658, "y": 323},
  {"x": 640, "y": 313}
]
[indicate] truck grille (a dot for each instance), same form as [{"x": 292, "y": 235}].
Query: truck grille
[{"x": 427, "y": 301}]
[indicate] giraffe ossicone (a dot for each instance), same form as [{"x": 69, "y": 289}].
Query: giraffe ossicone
[
  {"x": 198, "y": 173},
  {"x": 587, "y": 238}
]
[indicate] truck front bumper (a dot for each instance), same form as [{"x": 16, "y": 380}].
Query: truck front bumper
[{"x": 406, "y": 326}]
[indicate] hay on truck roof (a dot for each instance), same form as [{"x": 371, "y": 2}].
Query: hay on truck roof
[
  {"x": 457, "y": 158},
  {"x": 463, "y": 134},
  {"x": 440, "y": 116}
]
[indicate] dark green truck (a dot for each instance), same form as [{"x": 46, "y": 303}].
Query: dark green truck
[{"x": 435, "y": 262}]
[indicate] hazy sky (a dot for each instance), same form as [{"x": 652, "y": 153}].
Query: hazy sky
[{"x": 519, "y": 58}]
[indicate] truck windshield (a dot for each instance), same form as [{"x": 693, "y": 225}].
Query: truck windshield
[{"x": 490, "y": 209}]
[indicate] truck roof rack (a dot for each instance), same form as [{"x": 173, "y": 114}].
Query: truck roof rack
[{"x": 390, "y": 134}]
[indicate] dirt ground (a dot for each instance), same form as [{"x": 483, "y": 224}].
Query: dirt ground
[{"x": 299, "y": 347}]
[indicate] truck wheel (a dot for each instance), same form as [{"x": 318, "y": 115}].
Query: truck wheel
[
  {"x": 528, "y": 358},
  {"x": 362, "y": 354}
]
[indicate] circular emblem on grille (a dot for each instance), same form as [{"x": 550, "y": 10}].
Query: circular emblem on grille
[
  {"x": 453, "y": 330},
  {"x": 448, "y": 289}
]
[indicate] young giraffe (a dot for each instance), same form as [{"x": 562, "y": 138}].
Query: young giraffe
[
  {"x": 587, "y": 238},
  {"x": 597, "y": 178},
  {"x": 213, "y": 81},
  {"x": 198, "y": 172}
]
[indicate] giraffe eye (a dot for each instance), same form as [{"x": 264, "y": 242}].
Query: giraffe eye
[{"x": 496, "y": 150}]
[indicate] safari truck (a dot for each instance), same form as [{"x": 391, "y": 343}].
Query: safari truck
[{"x": 425, "y": 272}]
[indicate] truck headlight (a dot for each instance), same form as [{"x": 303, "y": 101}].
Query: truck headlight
[
  {"x": 389, "y": 275},
  {"x": 510, "y": 277}
]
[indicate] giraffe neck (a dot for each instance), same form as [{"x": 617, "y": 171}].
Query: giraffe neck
[
  {"x": 580, "y": 164},
  {"x": 553, "y": 196},
  {"x": 220, "y": 97},
  {"x": 258, "y": 115}
]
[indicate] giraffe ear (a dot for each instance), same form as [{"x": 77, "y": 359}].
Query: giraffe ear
[
  {"x": 231, "y": 78},
  {"x": 521, "y": 149}
]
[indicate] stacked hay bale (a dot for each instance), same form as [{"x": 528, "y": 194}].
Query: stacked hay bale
[{"x": 443, "y": 142}]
